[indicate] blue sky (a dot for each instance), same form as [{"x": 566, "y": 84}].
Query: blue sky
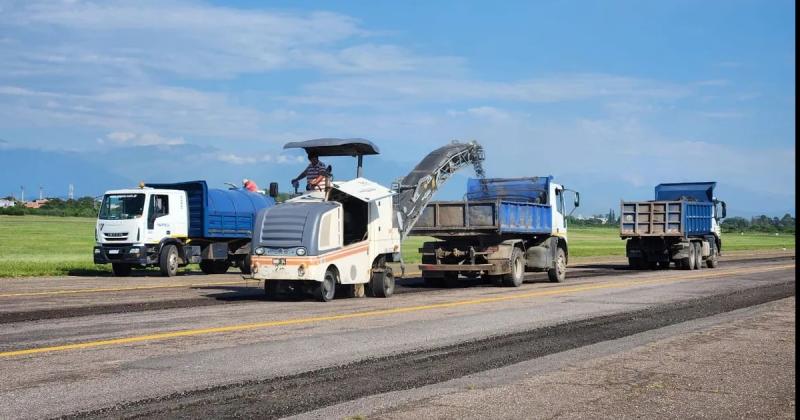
[{"x": 610, "y": 97}]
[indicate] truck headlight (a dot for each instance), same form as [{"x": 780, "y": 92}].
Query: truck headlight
[
  {"x": 301, "y": 251},
  {"x": 97, "y": 250},
  {"x": 133, "y": 251},
  {"x": 259, "y": 251}
]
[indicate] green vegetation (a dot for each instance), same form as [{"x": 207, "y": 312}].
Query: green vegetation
[
  {"x": 82, "y": 207},
  {"x": 40, "y": 245}
]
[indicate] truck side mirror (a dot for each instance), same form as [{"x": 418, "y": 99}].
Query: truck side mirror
[
  {"x": 577, "y": 199},
  {"x": 724, "y": 210},
  {"x": 273, "y": 189}
]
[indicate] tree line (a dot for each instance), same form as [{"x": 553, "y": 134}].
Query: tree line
[
  {"x": 763, "y": 223},
  {"x": 81, "y": 207}
]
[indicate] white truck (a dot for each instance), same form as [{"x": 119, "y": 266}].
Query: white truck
[
  {"x": 172, "y": 225},
  {"x": 345, "y": 233}
]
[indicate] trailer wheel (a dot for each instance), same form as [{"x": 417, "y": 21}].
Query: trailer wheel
[
  {"x": 168, "y": 261},
  {"x": 698, "y": 255},
  {"x": 326, "y": 289},
  {"x": 517, "y": 274},
  {"x": 382, "y": 283},
  {"x": 121, "y": 270},
  {"x": 245, "y": 265},
  {"x": 713, "y": 259},
  {"x": 558, "y": 273}
]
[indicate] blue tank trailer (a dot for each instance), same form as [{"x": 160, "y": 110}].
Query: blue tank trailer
[
  {"x": 682, "y": 225},
  {"x": 503, "y": 228}
]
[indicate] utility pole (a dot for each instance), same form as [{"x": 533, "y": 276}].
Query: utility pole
[
  {"x": 41, "y": 191},
  {"x": 71, "y": 194},
  {"x": 22, "y": 189}
]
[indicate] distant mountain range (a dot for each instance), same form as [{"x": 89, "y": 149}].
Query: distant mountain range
[{"x": 94, "y": 172}]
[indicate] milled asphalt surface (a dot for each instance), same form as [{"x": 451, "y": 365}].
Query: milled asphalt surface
[
  {"x": 193, "y": 371},
  {"x": 738, "y": 364}
]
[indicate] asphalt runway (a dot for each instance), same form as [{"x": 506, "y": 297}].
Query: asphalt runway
[{"x": 212, "y": 346}]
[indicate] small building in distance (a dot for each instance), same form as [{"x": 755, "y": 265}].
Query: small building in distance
[
  {"x": 6, "y": 203},
  {"x": 35, "y": 204}
]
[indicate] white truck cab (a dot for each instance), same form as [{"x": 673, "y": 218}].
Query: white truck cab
[{"x": 132, "y": 221}]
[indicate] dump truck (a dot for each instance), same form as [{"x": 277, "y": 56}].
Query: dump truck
[
  {"x": 503, "y": 228},
  {"x": 172, "y": 225},
  {"x": 344, "y": 234},
  {"x": 682, "y": 225}
]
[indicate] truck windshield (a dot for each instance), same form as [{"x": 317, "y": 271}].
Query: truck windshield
[{"x": 122, "y": 206}]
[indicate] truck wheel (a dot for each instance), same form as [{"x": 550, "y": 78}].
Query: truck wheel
[
  {"x": 121, "y": 270},
  {"x": 214, "y": 267},
  {"x": 663, "y": 265},
  {"x": 713, "y": 259},
  {"x": 698, "y": 256},
  {"x": 558, "y": 273},
  {"x": 689, "y": 263},
  {"x": 436, "y": 282},
  {"x": 326, "y": 289},
  {"x": 168, "y": 261},
  {"x": 635, "y": 263},
  {"x": 246, "y": 264},
  {"x": 517, "y": 274},
  {"x": 382, "y": 283}
]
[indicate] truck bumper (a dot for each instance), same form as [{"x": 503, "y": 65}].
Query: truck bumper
[{"x": 128, "y": 254}]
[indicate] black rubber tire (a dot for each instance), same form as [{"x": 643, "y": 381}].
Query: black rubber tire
[
  {"x": 325, "y": 290},
  {"x": 382, "y": 283},
  {"x": 517, "y": 275},
  {"x": 652, "y": 265},
  {"x": 698, "y": 256},
  {"x": 272, "y": 289},
  {"x": 168, "y": 261},
  {"x": 435, "y": 282},
  {"x": 690, "y": 261},
  {"x": 663, "y": 265},
  {"x": 713, "y": 260},
  {"x": 635, "y": 263},
  {"x": 451, "y": 280},
  {"x": 246, "y": 264},
  {"x": 215, "y": 266},
  {"x": 121, "y": 270},
  {"x": 558, "y": 273}
]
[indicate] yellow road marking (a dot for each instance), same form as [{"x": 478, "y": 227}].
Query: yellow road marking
[
  {"x": 382, "y": 312},
  {"x": 118, "y": 289}
]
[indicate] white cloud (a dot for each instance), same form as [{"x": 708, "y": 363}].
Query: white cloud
[
  {"x": 126, "y": 138},
  {"x": 237, "y": 159}
]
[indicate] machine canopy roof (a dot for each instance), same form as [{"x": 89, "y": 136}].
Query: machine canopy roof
[
  {"x": 335, "y": 147},
  {"x": 363, "y": 189}
]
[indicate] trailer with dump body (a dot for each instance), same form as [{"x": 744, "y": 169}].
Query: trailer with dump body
[
  {"x": 172, "y": 225},
  {"x": 503, "y": 227},
  {"x": 681, "y": 225}
]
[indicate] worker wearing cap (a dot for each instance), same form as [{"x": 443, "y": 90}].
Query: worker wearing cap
[
  {"x": 315, "y": 173},
  {"x": 249, "y": 185}
]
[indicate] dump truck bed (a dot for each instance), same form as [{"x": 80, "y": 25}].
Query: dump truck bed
[
  {"x": 483, "y": 217},
  {"x": 665, "y": 218}
]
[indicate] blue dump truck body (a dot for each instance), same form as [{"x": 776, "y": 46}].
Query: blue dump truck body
[
  {"x": 504, "y": 227},
  {"x": 217, "y": 213},
  {"x": 679, "y": 225},
  {"x": 493, "y": 206}
]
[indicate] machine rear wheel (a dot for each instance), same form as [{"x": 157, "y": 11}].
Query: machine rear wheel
[
  {"x": 382, "y": 283},
  {"x": 245, "y": 264}
]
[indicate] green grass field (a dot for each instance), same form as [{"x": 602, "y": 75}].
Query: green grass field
[{"x": 41, "y": 245}]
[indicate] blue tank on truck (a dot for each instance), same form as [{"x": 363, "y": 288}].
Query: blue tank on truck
[
  {"x": 681, "y": 225},
  {"x": 503, "y": 228},
  {"x": 170, "y": 225}
]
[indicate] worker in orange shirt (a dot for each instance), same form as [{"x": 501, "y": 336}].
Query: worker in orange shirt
[{"x": 249, "y": 185}]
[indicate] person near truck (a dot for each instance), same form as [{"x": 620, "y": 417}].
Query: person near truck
[
  {"x": 249, "y": 185},
  {"x": 315, "y": 173}
]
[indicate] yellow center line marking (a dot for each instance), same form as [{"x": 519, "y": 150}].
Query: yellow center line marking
[
  {"x": 382, "y": 312},
  {"x": 118, "y": 289}
]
